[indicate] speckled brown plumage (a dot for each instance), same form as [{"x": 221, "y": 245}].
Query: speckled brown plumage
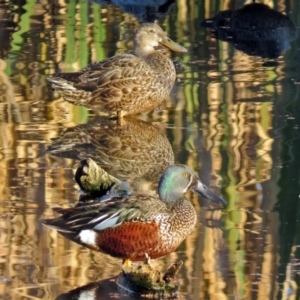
[
  {"x": 126, "y": 83},
  {"x": 135, "y": 149}
]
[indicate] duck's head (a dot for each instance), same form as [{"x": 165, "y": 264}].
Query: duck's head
[
  {"x": 178, "y": 179},
  {"x": 150, "y": 35}
]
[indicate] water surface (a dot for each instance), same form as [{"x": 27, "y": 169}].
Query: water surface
[{"x": 233, "y": 117}]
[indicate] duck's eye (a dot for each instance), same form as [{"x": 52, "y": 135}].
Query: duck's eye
[
  {"x": 151, "y": 30},
  {"x": 185, "y": 175}
]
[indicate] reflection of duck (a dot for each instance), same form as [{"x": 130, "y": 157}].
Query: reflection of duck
[
  {"x": 136, "y": 149},
  {"x": 136, "y": 226},
  {"x": 126, "y": 284},
  {"x": 105, "y": 289},
  {"x": 255, "y": 29},
  {"x": 95, "y": 182},
  {"x": 145, "y": 11},
  {"x": 127, "y": 83}
]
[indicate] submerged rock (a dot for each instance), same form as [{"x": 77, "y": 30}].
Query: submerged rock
[{"x": 145, "y": 279}]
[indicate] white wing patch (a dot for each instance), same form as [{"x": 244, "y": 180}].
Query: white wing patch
[{"x": 88, "y": 237}]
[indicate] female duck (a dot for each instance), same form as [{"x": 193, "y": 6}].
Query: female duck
[
  {"x": 127, "y": 83},
  {"x": 133, "y": 227}
]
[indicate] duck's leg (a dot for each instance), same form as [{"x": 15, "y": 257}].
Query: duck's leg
[
  {"x": 147, "y": 259},
  {"x": 120, "y": 115},
  {"x": 126, "y": 262}
]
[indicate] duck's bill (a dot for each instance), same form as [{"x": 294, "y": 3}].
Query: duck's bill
[
  {"x": 166, "y": 41},
  {"x": 203, "y": 190}
]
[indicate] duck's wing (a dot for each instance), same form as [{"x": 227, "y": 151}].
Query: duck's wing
[
  {"x": 116, "y": 84},
  {"x": 133, "y": 149},
  {"x": 108, "y": 72},
  {"x": 104, "y": 215}
]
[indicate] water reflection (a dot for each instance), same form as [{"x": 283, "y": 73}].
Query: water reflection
[
  {"x": 97, "y": 290},
  {"x": 233, "y": 119},
  {"x": 145, "y": 11},
  {"x": 287, "y": 204},
  {"x": 255, "y": 29},
  {"x": 134, "y": 150},
  {"x": 93, "y": 291}
]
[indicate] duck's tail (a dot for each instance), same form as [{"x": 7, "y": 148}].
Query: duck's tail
[
  {"x": 71, "y": 91},
  {"x": 56, "y": 224},
  {"x": 58, "y": 83}
]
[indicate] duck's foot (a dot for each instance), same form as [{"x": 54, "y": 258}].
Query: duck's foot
[
  {"x": 126, "y": 263},
  {"x": 145, "y": 279}
]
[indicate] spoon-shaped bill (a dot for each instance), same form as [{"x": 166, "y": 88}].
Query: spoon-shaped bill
[
  {"x": 167, "y": 42},
  {"x": 203, "y": 190}
]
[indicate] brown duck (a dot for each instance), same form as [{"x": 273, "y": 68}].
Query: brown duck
[
  {"x": 135, "y": 150},
  {"x": 125, "y": 84}
]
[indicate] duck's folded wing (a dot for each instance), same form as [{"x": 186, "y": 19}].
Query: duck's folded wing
[{"x": 103, "y": 215}]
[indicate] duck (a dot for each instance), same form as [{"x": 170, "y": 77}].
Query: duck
[
  {"x": 136, "y": 151},
  {"x": 137, "y": 226},
  {"x": 124, "y": 84}
]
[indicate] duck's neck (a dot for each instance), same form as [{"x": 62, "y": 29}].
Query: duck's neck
[
  {"x": 157, "y": 61},
  {"x": 142, "y": 50},
  {"x": 169, "y": 194}
]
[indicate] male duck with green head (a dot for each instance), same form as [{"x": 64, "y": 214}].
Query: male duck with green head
[{"x": 135, "y": 226}]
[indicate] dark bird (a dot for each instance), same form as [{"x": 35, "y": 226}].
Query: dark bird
[
  {"x": 145, "y": 11},
  {"x": 255, "y": 29}
]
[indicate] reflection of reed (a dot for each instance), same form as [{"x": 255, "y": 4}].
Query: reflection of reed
[
  {"x": 236, "y": 135},
  {"x": 219, "y": 131},
  {"x": 247, "y": 140}
]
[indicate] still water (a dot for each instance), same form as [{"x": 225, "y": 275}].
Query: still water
[{"x": 233, "y": 116}]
